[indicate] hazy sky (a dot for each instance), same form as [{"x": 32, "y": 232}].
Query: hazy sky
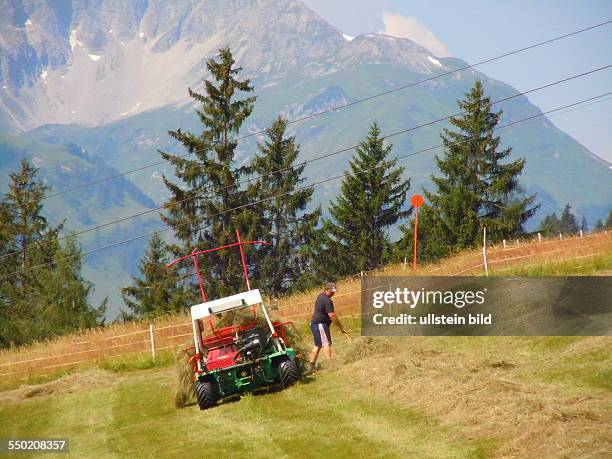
[{"x": 475, "y": 30}]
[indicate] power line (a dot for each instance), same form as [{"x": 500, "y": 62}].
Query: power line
[
  {"x": 42, "y": 265},
  {"x": 336, "y": 152},
  {"x": 350, "y": 104}
]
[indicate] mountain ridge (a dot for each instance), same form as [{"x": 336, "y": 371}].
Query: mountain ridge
[{"x": 95, "y": 72}]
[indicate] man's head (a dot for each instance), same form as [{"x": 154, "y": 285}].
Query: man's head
[{"x": 330, "y": 289}]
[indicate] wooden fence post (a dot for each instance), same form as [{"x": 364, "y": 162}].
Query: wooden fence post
[
  {"x": 484, "y": 251},
  {"x": 152, "y": 341}
]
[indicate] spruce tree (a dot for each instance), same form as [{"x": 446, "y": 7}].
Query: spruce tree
[
  {"x": 584, "y": 227},
  {"x": 599, "y": 226},
  {"x": 38, "y": 303},
  {"x": 372, "y": 199},
  {"x": 568, "y": 223},
  {"x": 609, "y": 220},
  {"x": 199, "y": 209},
  {"x": 22, "y": 225},
  {"x": 159, "y": 290},
  {"x": 7, "y": 266},
  {"x": 63, "y": 298},
  {"x": 477, "y": 187},
  {"x": 283, "y": 219},
  {"x": 25, "y": 224},
  {"x": 550, "y": 226}
]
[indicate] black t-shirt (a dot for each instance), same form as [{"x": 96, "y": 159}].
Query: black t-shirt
[{"x": 323, "y": 306}]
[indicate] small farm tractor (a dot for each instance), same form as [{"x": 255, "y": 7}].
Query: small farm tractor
[{"x": 242, "y": 357}]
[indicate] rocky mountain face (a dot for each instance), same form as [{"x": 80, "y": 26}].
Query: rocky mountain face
[
  {"x": 78, "y": 62},
  {"x": 111, "y": 77}
]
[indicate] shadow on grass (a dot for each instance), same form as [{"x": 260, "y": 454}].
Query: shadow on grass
[{"x": 308, "y": 379}]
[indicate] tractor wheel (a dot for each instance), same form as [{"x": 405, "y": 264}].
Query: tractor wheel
[
  {"x": 207, "y": 393},
  {"x": 289, "y": 372}
]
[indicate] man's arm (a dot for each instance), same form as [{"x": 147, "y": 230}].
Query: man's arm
[{"x": 334, "y": 318}]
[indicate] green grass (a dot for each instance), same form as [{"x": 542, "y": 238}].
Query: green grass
[
  {"x": 136, "y": 417},
  {"x": 325, "y": 415},
  {"x": 140, "y": 362},
  {"x": 589, "y": 370},
  {"x": 356, "y": 409},
  {"x": 391, "y": 397},
  {"x": 588, "y": 266}
]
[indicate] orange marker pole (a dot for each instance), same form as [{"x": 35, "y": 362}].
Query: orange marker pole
[
  {"x": 416, "y": 201},
  {"x": 416, "y": 226}
]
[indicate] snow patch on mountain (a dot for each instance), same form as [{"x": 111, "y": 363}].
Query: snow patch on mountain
[
  {"x": 72, "y": 39},
  {"x": 434, "y": 61}
]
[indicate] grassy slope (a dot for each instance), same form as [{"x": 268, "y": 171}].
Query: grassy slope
[
  {"x": 432, "y": 397},
  {"x": 384, "y": 397}
]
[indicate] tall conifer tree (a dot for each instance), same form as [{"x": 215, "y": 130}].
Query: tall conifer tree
[
  {"x": 38, "y": 303},
  {"x": 284, "y": 221},
  {"x": 477, "y": 187},
  {"x": 568, "y": 223},
  {"x": 63, "y": 297},
  {"x": 199, "y": 209},
  {"x": 372, "y": 199},
  {"x": 550, "y": 226}
]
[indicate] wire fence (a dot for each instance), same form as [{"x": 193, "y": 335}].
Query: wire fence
[{"x": 154, "y": 338}]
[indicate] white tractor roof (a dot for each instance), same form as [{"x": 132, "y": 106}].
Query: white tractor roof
[{"x": 225, "y": 304}]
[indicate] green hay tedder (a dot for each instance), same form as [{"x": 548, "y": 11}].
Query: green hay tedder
[{"x": 248, "y": 355}]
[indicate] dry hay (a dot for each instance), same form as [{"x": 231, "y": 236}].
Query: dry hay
[
  {"x": 185, "y": 395},
  {"x": 502, "y": 398},
  {"x": 87, "y": 347},
  {"x": 366, "y": 347},
  {"x": 68, "y": 384}
]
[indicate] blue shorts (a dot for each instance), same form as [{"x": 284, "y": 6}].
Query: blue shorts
[{"x": 321, "y": 334}]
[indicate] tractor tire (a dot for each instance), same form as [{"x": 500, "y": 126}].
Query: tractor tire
[
  {"x": 207, "y": 393},
  {"x": 289, "y": 372}
]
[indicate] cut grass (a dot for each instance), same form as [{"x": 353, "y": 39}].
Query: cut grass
[
  {"x": 378, "y": 397},
  {"x": 418, "y": 397},
  {"x": 589, "y": 370},
  {"x": 136, "y": 418}
]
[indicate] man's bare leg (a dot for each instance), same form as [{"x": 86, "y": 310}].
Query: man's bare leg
[
  {"x": 327, "y": 352},
  {"x": 313, "y": 357}
]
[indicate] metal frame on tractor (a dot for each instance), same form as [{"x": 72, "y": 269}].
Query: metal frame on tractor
[{"x": 241, "y": 357}]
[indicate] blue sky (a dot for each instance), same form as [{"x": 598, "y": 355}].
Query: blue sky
[{"x": 474, "y": 30}]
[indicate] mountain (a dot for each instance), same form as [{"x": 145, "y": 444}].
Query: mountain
[{"x": 112, "y": 77}]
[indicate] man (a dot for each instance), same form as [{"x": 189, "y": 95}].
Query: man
[{"x": 322, "y": 318}]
